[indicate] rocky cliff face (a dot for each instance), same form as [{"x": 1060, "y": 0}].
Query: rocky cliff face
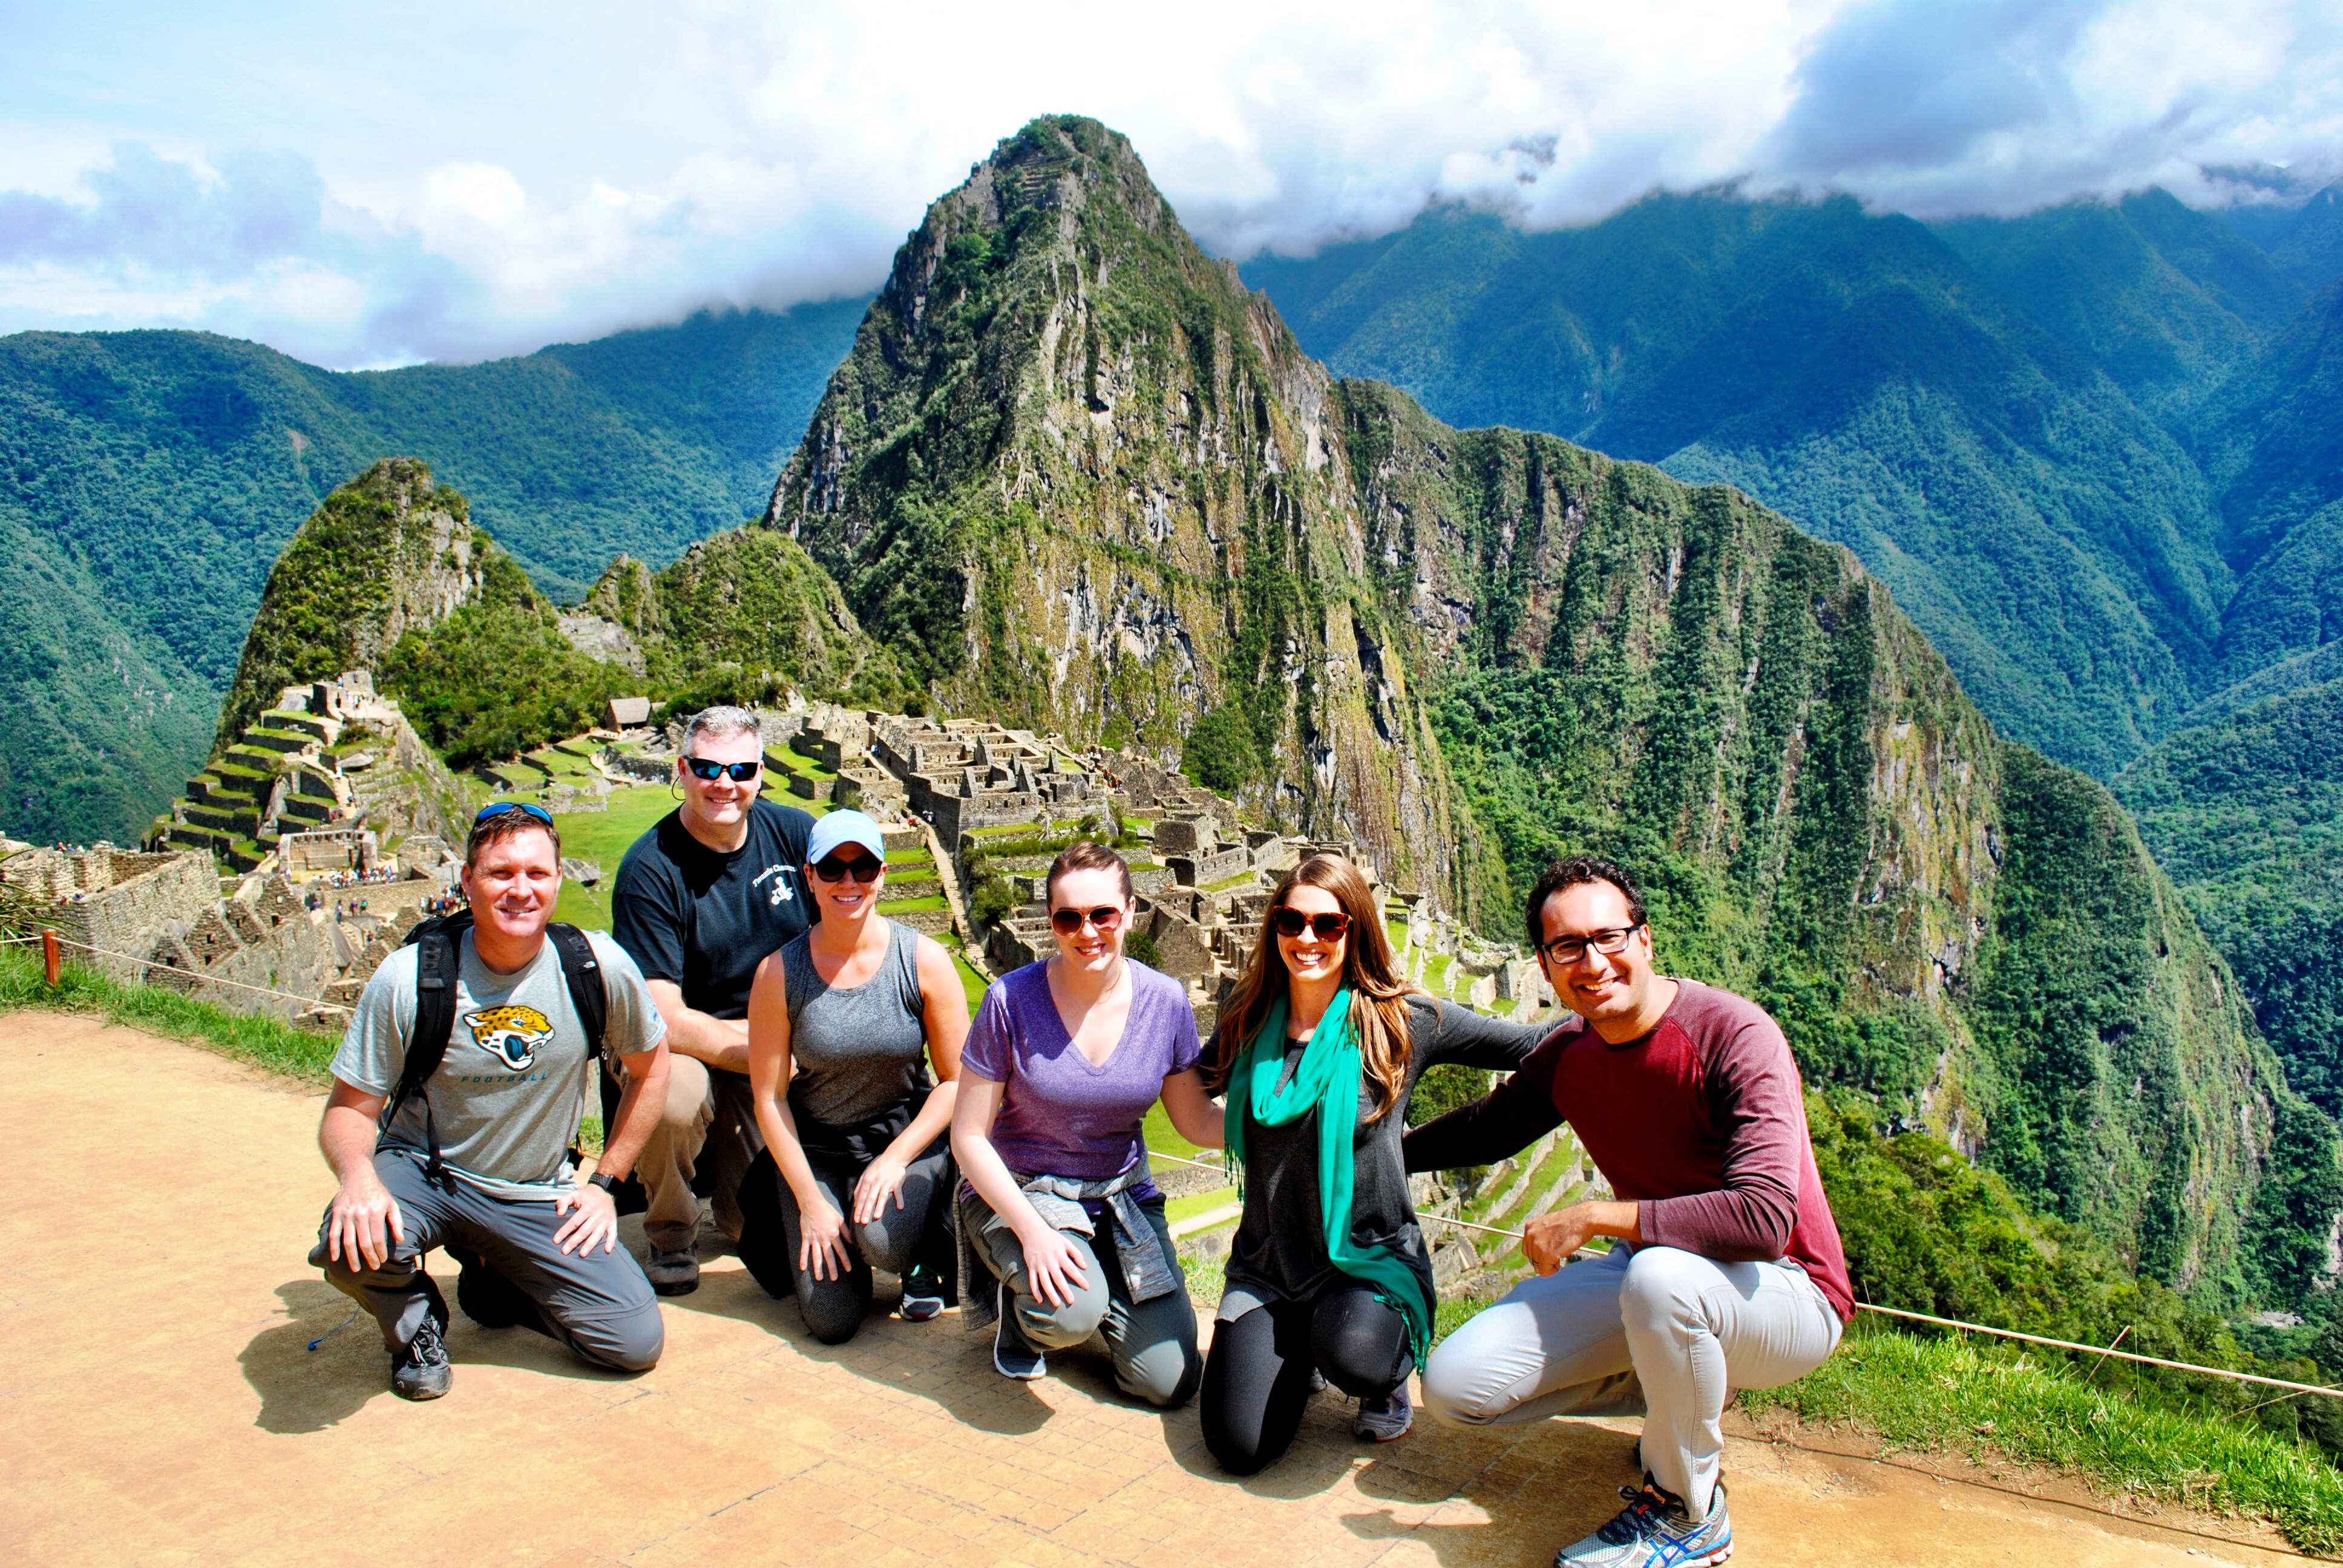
[
  {"x": 389, "y": 553},
  {"x": 1082, "y": 480}
]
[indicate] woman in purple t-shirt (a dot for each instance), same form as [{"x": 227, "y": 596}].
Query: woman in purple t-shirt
[{"x": 1065, "y": 1059}]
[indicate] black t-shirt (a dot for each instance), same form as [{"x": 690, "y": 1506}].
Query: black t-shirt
[{"x": 705, "y": 921}]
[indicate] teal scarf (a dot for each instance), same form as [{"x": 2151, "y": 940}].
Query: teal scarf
[{"x": 1327, "y": 1082}]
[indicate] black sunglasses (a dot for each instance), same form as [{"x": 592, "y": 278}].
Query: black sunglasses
[
  {"x": 862, "y": 868},
  {"x": 1066, "y": 922},
  {"x": 739, "y": 772},
  {"x": 498, "y": 807},
  {"x": 1328, "y": 926}
]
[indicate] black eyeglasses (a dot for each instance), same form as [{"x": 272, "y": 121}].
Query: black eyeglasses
[
  {"x": 862, "y": 868},
  {"x": 739, "y": 772},
  {"x": 1328, "y": 926},
  {"x": 1066, "y": 922},
  {"x": 1570, "y": 948},
  {"x": 498, "y": 807}
]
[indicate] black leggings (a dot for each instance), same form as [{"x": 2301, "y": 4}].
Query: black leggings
[
  {"x": 896, "y": 1241},
  {"x": 1257, "y": 1378}
]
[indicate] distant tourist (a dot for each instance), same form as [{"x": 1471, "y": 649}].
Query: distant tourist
[
  {"x": 1065, "y": 1059},
  {"x": 844, "y": 1025},
  {"x": 699, "y": 900},
  {"x": 1729, "y": 1273},
  {"x": 473, "y": 1156},
  {"x": 1321, "y": 1046}
]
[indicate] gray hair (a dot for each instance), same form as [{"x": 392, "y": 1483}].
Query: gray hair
[{"x": 719, "y": 722}]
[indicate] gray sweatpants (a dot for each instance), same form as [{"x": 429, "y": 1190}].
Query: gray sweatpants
[
  {"x": 1643, "y": 1331},
  {"x": 1152, "y": 1343},
  {"x": 597, "y": 1303}
]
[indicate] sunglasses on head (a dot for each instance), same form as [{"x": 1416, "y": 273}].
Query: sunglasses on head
[
  {"x": 739, "y": 772},
  {"x": 861, "y": 868},
  {"x": 1290, "y": 922},
  {"x": 1066, "y": 922},
  {"x": 498, "y": 807}
]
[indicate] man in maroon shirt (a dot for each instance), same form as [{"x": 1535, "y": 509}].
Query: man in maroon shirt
[{"x": 1731, "y": 1275}]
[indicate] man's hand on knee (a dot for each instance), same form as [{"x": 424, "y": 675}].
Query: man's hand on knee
[
  {"x": 1549, "y": 1241},
  {"x": 596, "y": 1219},
  {"x": 362, "y": 1212}
]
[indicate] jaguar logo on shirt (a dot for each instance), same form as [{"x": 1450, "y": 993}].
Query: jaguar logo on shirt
[{"x": 513, "y": 1035}]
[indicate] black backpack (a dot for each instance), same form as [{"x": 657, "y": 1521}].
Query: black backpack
[{"x": 436, "y": 969}]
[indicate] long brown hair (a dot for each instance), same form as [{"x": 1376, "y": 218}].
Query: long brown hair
[{"x": 1378, "y": 993}]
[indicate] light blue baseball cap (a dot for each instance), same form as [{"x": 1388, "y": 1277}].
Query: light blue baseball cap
[{"x": 841, "y": 828}]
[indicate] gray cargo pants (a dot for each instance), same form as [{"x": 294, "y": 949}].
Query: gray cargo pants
[
  {"x": 1642, "y": 1331},
  {"x": 597, "y": 1303}
]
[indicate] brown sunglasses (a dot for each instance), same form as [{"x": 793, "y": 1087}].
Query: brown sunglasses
[
  {"x": 1066, "y": 922},
  {"x": 1329, "y": 926}
]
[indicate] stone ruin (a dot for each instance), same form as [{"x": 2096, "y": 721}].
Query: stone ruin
[{"x": 169, "y": 919}]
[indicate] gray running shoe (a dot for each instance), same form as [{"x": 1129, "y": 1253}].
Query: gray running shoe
[
  {"x": 1385, "y": 1420},
  {"x": 1011, "y": 1356},
  {"x": 1654, "y": 1531},
  {"x": 421, "y": 1370},
  {"x": 674, "y": 1273},
  {"x": 923, "y": 1295}
]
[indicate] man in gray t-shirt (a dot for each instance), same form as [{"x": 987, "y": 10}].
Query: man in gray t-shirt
[{"x": 539, "y": 1248}]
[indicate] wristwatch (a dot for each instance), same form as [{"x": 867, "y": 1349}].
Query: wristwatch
[{"x": 603, "y": 1180}]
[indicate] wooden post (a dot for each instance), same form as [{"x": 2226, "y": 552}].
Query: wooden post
[{"x": 49, "y": 954}]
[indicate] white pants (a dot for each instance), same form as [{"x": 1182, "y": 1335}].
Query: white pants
[{"x": 1644, "y": 1330}]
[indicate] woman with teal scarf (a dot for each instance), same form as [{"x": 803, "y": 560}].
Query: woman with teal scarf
[{"x": 1319, "y": 1047}]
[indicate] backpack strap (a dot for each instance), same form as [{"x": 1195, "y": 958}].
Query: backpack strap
[
  {"x": 583, "y": 974},
  {"x": 438, "y": 960}
]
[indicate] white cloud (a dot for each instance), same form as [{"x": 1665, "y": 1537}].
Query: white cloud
[{"x": 524, "y": 173}]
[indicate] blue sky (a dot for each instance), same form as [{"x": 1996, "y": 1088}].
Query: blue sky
[{"x": 381, "y": 184}]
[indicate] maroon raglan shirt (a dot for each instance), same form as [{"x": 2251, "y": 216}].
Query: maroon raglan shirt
[{"x": 1702, "y": 1124}]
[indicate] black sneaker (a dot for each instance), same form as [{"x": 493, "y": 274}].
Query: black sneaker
[
  {"x": 923, "y": 1294},
  {"x": 1011, "y": 1356},
  {"x": 421, "y": 1370}
]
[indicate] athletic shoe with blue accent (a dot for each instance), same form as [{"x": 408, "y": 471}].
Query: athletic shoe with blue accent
[
  {"x": 1654, "y": 1531},
  {"x": 923, "y": 1295}
]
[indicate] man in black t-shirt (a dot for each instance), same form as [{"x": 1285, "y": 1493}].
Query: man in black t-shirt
[{"x": 700, "y": 900}]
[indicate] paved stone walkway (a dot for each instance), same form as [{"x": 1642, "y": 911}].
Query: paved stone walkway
[{"x": 157, "y": 1405}]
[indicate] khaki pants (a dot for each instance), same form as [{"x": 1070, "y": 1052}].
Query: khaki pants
[
  {"x": 1643, "y": 1331},
  {"x": 709, "y": 1118}
]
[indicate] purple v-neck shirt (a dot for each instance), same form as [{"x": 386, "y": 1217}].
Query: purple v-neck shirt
[{"x": 1060, "y": 1116}]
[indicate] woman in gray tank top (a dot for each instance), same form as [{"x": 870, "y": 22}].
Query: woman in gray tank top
[{"x": 844, "y": 1026}]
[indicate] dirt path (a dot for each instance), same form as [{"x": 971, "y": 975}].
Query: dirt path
[{"x": 157, "y": 1406}]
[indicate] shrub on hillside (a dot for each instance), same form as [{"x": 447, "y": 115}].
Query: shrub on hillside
[{"x": 1220, "y": 753}]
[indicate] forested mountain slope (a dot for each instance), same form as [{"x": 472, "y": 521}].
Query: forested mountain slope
[
  {"x": 2246, "y": 811},
  {"x": 151, "y": 478},
  {"x": 2054, "y": 540},
  {"x": 1072, "y": 475}
]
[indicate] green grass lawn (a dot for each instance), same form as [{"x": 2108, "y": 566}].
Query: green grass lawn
[
  {"x": 1178, "y": 1209},
  {"x": 269, "y": 1043},
  {"x": 974, "y": 981},
  {"x": 605, "y": 836},
  {"x": 912, "y": 906}
]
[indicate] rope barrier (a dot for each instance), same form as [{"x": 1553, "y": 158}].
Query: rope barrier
[
  {"x": 317, "y": 1003},
  {"x": 2102, "y": 1351}
]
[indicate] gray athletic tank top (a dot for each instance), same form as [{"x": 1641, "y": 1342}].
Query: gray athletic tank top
[{"x": 861, "y": 1050}]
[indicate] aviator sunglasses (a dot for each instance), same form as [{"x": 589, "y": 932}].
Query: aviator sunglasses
[
  {"x": 739, "y": 772},
  {"x": 862, "y": 868},
  {"x": 1066, "y": 922},
  {"x": 1328, "y": 926},
  {"x": 498, "y": 809}
]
